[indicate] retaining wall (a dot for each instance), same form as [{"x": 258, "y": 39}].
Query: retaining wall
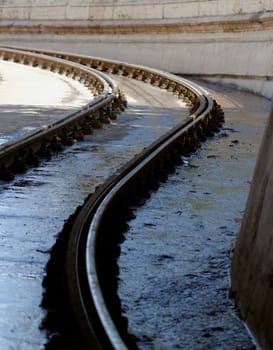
[
  {"x": 252, "y": 265},
  {"x": 215, "y": 39},
  {"x": 127, "y": 9}
]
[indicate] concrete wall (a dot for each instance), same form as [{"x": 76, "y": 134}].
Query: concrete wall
[
  {"x": 127, "y": 9},
  {"x": 216, "y": 39},
  {"x": 252, "y": 265}
]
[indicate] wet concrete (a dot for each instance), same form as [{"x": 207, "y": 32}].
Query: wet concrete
[
  {"x": 175, "y": 260},
  {"x": 34, "y": 206},
  {"x": 31, "y": 97},
  {"x": 189, "y": 254}
]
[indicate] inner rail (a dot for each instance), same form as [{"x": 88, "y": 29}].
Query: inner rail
[
  {"x": 184, "y": 89},
  {"x": 107, "y": 101},
  {"x": 88, "y": 244}
]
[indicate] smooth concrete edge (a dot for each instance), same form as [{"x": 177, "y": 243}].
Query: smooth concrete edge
[
  {"x": 252, "y": 262},
  {"x": 262, "y": 86}
]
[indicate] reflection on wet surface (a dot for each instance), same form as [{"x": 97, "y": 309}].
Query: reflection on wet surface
[
  {"x": 35, "y": 205},
  {"x": 32, "y": 97},
  {"x": 185, "y": 243},
  {"x": 175, "y": 260}
]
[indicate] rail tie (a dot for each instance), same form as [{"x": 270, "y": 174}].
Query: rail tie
[
  {"x": 16, "y": 156},
  {"x": 82, "y": 274}
]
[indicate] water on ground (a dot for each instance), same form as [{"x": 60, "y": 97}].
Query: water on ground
[
  {"x": 31, "y": 97},
  {"x": 35, "y": 205},
  {"x": 175, "y": 260}
]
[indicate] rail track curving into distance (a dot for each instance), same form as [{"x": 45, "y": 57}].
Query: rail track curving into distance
[
  {"x": 16, "y": 156},
  {"x": 82, "y": 274}
]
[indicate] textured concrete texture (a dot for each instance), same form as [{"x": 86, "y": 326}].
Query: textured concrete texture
[
  {"x": 252, "y": 266},
  {"x": 128, "y": 9},
  {"x": 242, "y": 58},
  {"x": 216, "y": 39},
  {"x": 179, "y": 299}
]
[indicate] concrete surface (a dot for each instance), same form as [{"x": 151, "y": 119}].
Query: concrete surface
[
  {"x": 178, "y": 245},
  {"x": 243, "y": 58},
  {"x": 34, "y": 206},
  {"x": 216, "y": 39},
  {"x": 252, "y": 266},
  {"x": 127, "y": 9},
  {"x": 31, "y": 97}
]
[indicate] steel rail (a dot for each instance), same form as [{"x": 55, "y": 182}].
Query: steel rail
[
  {"x": 83, "y": 264},
  {"x": 18, "y": 155},
  {"x": 186, "y": 90},
  {"x": 91, "y": 234}
]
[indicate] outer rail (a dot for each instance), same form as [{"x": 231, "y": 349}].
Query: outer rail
[
  {"x": 183, "y": 88},
  {"x": 16, "y": 156},
  {"x": 85, "y": 254}
]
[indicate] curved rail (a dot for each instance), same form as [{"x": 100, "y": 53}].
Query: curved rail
[
  {"x": 183, "y": 88},
  {"x": 16, "y": 156},
  {"x": 82, "y": 275}
]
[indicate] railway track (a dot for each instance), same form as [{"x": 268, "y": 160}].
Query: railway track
[
  {"x": 16, "y": 156},
  {"x": 82, "y": 274}
]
